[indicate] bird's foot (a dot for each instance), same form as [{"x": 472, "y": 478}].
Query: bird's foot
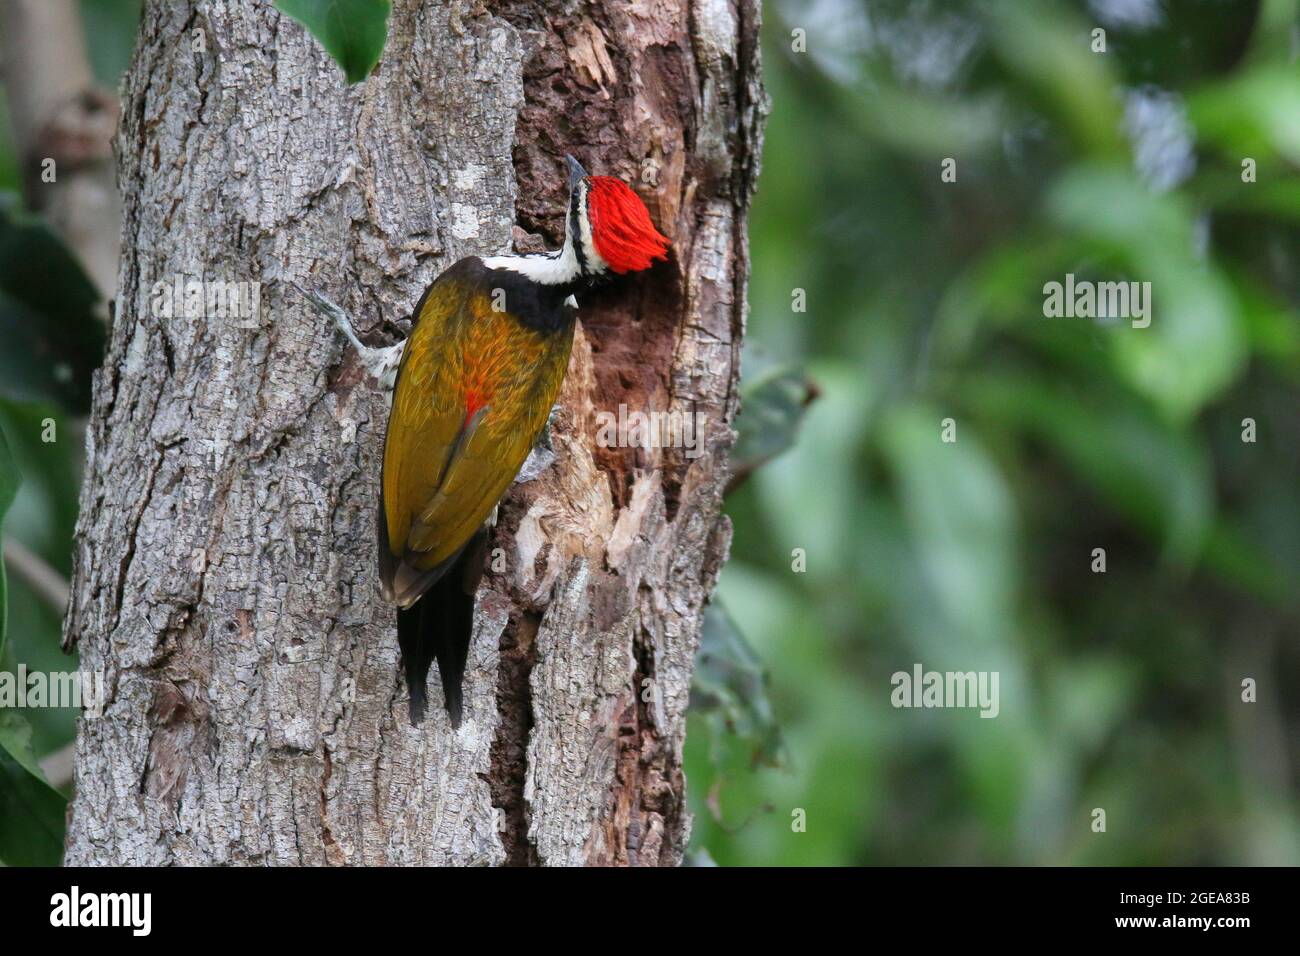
[{"x": 381, "y": 363}]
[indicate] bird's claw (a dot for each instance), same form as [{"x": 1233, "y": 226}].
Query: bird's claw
[{"x": 381, "y": 363}]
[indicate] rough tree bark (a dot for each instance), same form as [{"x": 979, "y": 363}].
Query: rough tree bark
[{"x": 225, "y": 555}]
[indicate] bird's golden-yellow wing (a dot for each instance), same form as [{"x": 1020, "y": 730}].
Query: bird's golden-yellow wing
[{"x": 473, "y": 391}]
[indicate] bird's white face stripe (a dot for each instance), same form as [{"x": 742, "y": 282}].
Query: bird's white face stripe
[
  {"x": 594, "y": 261},
  {"x": 543, "y": 268},
  {"x": 558, "y": 268}
]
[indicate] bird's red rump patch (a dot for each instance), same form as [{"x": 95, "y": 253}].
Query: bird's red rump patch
[
  {"x": 620, "y": 226},
  {"x": 474, "y": 400},
  {"x": 475, "y": 386}
]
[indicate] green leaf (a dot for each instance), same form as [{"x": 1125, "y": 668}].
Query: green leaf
[
  {"x": 50, "y": 336},
  {"x": 4, "y": 607},
  {"x": 962, "y": 518},
  {"x": 1255, "y": 114},
  {"x": 772, "y": 409},
  {"x": 16, "y": 740},
  {"x": 928, "y": 126},
  {"x": 1194, "y": 347},
  {"x": 351, "y": 31},
  {"x": 9, "y": 481},
  {"x": 729, "y": 687},
  {"x": 1153, "y": 473},
  {"x": 1046, "y": 46},
  {"x": 32, "y": 813},
  {"x": 42, "y": 516}
]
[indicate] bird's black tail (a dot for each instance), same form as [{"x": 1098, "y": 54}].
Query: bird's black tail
[{"x": 438, "y": 627}]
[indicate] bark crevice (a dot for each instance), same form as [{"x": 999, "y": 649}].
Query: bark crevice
[{"x": 510, "y": 746}]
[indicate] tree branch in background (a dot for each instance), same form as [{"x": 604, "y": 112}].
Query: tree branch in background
[
  {"x": 59, "y": 114},
  {"x": 46, "y": 583}
]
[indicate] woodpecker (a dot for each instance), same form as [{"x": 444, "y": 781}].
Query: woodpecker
[{"x": 473, "y": 386}]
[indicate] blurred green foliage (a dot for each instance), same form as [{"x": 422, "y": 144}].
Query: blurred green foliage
[
  {"x": 31, "y": 811},
  {"x": 10, "y": 479},
  {"x": 53, "y": 338},
  {"x": 1119, "y": 690},
  {"x": 50, "y": 340}
]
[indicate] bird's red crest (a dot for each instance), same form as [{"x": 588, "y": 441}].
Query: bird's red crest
[{"x": 620, "y": 226}]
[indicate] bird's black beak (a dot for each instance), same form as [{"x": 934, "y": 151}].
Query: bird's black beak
[{"x": 576, "y": 173}]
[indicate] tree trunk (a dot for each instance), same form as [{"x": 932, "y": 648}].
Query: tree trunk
[{"x": 225, "y": 556}]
